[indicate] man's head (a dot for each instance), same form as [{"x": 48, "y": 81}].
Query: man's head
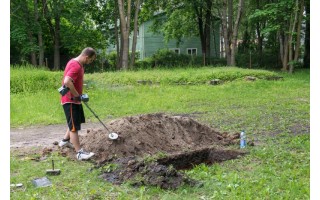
[{"x": 89, "y": 55}]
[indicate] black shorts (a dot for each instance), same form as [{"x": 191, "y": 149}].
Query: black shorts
[{"x": 74, "y": 115}]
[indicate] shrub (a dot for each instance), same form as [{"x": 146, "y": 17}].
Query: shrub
[
  {"x": 269, "y": 60},
  {"x": 165, "y": 58},
  {"x": 146, "y": 63}
]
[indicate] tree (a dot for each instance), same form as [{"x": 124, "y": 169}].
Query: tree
[
  {"x": 230, "y": 28},
  {"x": 184, "y": 19},
  {"x": 125, "y": 17},
  {"x": 306, "y": 57},
  {"x": 137, "y": 6},
  {"x": 52, "y": 13},
  {"x": 39, "y": 33},
  {"x": 45, "y": 28},
  {"x": 21, "y": 31},
  {"x": 285, "y": 18}
]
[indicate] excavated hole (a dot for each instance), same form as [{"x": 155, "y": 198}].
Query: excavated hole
[
  {"x": 207, "y": 156},
  {"x": 167, "y": 172}
]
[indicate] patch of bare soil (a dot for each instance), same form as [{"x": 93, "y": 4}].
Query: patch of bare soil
[{"x": 170, "y": 142}]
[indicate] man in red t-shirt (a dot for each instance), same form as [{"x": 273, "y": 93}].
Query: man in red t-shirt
[{"x": 73, "y": 79}]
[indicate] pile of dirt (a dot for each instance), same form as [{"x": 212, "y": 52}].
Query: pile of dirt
[
  {"x": 176, "y": 141},
  {"x": 150, "y": 134}
]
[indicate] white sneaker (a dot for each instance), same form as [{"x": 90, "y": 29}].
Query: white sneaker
[
  {"x": 83, "y": 155},
  {"x": 66, "y": 144}
]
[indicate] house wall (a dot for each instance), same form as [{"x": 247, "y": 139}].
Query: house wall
[{"x": 148, "y": 43}]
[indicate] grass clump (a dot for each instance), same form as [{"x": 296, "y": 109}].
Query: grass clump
[
  {"x": 191, "y": 76},
  {"x": 33, "y": 80}
]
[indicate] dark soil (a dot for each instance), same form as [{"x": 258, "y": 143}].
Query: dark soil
[{"x": 152, "y": 148}]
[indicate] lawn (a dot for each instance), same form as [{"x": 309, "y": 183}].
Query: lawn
[{"x": 274, "y": 113}]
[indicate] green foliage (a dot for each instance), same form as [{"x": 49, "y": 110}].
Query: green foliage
[
  {"x": 107, "y": 62},
  {"x": 165, "y": 58},
  {"x": 268, "y": 60},
  {"x": 147, "y": 63},
  {"x": 278, "y": 15},
  {"x": 77, "y": 29}
]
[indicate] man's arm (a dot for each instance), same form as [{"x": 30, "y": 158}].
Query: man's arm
[{"x": 68, "y": 82}]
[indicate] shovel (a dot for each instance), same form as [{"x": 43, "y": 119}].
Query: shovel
[
  {"x": 112, "y": 135},
  {"x": 53, "y": 171}
]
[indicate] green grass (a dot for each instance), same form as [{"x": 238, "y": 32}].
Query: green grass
[{"x": 275, "y": 114}]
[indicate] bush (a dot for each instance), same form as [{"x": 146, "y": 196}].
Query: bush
[
  {"x": 146, "y": 63},
  {"x": 165, "y": 58},
  {"x": 269, "y": 60}
]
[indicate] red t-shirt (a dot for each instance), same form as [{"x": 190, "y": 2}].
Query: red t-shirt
[{"x": 75, "y": 71}]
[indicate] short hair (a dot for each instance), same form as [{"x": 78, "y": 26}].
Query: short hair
[{"x": 89, "y": 51}]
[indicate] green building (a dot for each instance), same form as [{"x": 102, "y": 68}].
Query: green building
[{"x": 148, "y": 43}]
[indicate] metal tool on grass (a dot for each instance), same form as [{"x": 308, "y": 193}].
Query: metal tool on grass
[
  {"x": 112, "y": 135},
  {"x": 53, "y": 171}
]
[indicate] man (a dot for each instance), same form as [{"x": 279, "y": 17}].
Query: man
[{"x": 71, "y": 101}]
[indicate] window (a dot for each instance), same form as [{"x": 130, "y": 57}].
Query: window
[
  {"x": 176, "y": 50},
  {"x": 192, "y": 51}
]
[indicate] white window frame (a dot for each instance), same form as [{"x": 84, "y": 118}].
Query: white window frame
[
  {"x": 191, "y": 49},
  {"x": 175, "y": 50}
]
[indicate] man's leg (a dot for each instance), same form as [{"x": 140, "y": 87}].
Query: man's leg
[
  {"x": 67, "y": 135},
  {"x": 74, "y": 138},
  {"x": 66, "y": 140}
]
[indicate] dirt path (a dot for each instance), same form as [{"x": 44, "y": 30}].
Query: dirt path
[{"x": 41, "y": 136}]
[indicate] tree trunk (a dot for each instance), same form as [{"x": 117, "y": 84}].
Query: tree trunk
[
  {"x": 40, "y": 40},
  {"x": 292, "y": 29},
  {"x": 125, "y": 30},
  {"x": 54, "y": 31},
  {"x": 306, "y": 57},
  {"x": 284, "y": 50},
  {"x": 259, "y": 36},
  {"x": 116, "y": 33},
  {"x": 135, "y": 30},
  {"x": 56, "y": 62},
  {"x": 33, "y": 56},
  {"x": 298, "y": 43},
  {"x": 207, "y": 28},
  {"x": 225, "y": 32},
  {"x": 198, "y": 12},
  {"x": 260, "y": 41},
  {"x": 29, "y": 30},
  {"x": 235, "y": 33}
]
